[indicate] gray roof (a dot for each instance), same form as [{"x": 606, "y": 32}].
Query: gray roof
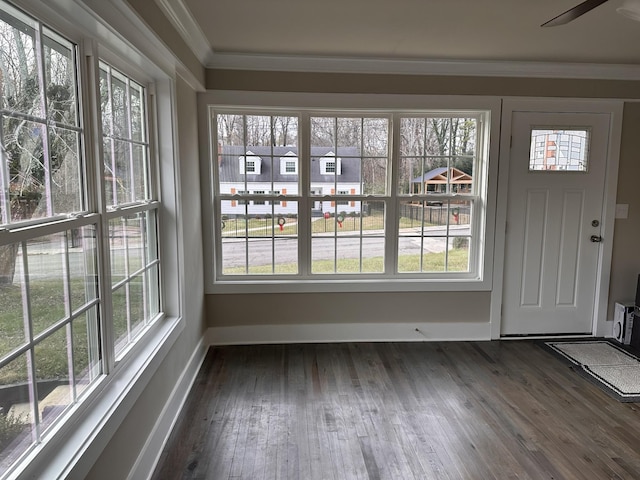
[
  {"x": 230, "y": 164},
  {"x": 430, "y": 174}
]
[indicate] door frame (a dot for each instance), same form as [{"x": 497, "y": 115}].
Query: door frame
[{"x": 550, "y": 105}]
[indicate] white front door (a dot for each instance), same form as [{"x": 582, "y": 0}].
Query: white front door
[{"x": 554, "y": 213}]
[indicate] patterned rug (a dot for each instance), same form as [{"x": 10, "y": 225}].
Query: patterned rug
[{"x": 611, "y": 367}]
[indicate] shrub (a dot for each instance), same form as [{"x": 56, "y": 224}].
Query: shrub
[
  {"x": 461, "y": 242},
  {"x": 10, "y": 427}
]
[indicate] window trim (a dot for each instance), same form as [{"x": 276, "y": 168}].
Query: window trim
[{"x": 270, "y": 103}]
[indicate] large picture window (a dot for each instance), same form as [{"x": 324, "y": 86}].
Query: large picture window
[
  {"x": 79, "y": 261},
  {"x": 393, "y": 196}
]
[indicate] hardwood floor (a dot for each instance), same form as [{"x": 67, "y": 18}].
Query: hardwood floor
[{"x": 463, "y": 410}]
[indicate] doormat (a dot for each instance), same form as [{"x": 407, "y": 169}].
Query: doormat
[{"x": 613, "y": 369}]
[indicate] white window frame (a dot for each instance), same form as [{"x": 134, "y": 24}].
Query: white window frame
[
  {"x": 365, "y": 104},
  {"x": 149, "y": 206},
  {"x": 80, "y": 433}
]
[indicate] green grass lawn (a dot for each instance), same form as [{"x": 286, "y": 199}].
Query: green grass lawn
[
  {"x": 458, "y": 261},
  {"x": 47, "y": 307}
]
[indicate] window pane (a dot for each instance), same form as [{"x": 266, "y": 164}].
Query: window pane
[
  {"x": 434, "y": 238},
  {"x": 409, "y": 250},
  {"x": 41, "y": 162},
  {"x": 136, "y": 99},
  {"x": 135, "y": 304},
  {"x": 105, "y": 103},
  {"x": 135, "y": 226},
  {"x": 120, "y": 298},
  {"x": 285, "y": 260},
  {"x": 16, "y": 418},
  {"x": 323, "y": 254},
  {"x": 60, "y": 80},
  {"x": 153, "y": 291},
  {"x": 118, "y": 249},
  {"x": 52, "y": 371},
  {"x": 126, "y": 151},
  {"x": 437, "y": 140},
  {"x": 258, "y": 243},
  {"x": 375, "y": 138},
  {"x": 559, "y": 150},
  {"x": 135, "y": 275},
  {"x": 430, "y": 175},
  {"x": 47, "y": 266},
  {"x": 83, "y": 270},
  {"x": 459, "y": 254},
  {"x": 133, "y": 244},
  {"x": 324, "y": 132},
  {"x": 149, "y": 235},
  {"x": 21, "y": 88},
  {"x": 137, "y": 307},
  {"x": 461, "y": 178},
  {"x": 86, "y": 359},
  {"x": 349, "y": 242},
  {"x": 120, "y": 106},
  {"x": 230, "y": 131},
  {"x": 12, "y": 328},
  {"x": 140, "y": 173},
  {"x": 349, "y": 132},
  {"x": 121, "y": 162},
  {"x": 66, "y": 179},
  {"x": 23, "y": 144},
  {"x": 374, "y": 176},
  {"x": 428, "y": 146}
]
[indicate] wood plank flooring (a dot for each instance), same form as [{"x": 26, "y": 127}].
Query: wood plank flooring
[{"x": 458, "y": 410}]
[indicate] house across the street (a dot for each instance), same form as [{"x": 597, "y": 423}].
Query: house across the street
[
  {"x": 272, "y": 171},
  {"x": 436, "y": 181}
]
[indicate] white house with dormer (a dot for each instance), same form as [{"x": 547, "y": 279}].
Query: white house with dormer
[{"x": 265, "y": 170}]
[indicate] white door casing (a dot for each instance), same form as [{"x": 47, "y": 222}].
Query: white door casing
[{"x": 551, "y": 266}]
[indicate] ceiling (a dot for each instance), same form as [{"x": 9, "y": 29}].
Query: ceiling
[{"x": 433, "y": 30}]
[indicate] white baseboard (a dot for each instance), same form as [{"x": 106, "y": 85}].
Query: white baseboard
[
  {"x": 350, "y": 332},
  {"x": 150, "y": 454}
]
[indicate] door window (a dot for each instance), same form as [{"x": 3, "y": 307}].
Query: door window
[{"x": 559, "y": 150}]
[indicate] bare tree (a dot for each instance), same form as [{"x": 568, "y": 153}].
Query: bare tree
[{"x": 40, "y": 164}]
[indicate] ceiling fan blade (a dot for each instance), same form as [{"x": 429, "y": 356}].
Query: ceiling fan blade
[{"x": 573, "y": 13}]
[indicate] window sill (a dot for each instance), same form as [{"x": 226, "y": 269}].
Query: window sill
[
  {"x": 71, "y": 451},
  {"x": 350, "y": 286}
]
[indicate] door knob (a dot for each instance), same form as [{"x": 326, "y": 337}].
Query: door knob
[{"x": 596, "y": 238}]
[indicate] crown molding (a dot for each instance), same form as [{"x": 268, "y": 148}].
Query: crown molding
[
  {"x": 182, "y": 19},
  {"x": 424, "y": 67}
]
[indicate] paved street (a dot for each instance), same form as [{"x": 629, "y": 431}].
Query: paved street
[
  {"x": 46, "y": 262},
  {"x": 260, "y": 250}
]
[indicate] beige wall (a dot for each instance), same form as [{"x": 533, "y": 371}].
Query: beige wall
[
  {"x": 626, "y": 243},
  {"x": 418, "y": 84},
  {"x": 308, "y": 308},
  {"x": 284, "y": 309}
]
